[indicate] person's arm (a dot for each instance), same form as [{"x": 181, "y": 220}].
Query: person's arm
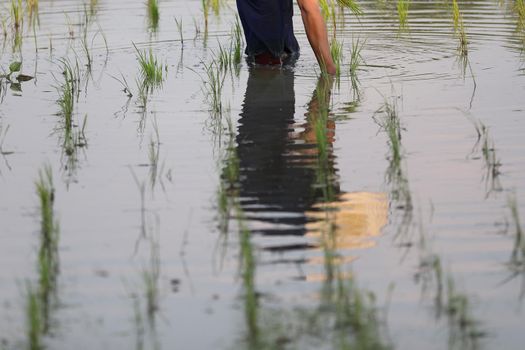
[{"x": 316, "y": 33}]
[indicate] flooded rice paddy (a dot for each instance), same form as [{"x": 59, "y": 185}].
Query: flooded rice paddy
[{"x": 157, "y": 192}]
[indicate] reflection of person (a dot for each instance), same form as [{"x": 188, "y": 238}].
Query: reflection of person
[
  {"x": 269, "y": 33},
  {"x": 277, "y": 157},
  {"x": 282, "y": 184}
]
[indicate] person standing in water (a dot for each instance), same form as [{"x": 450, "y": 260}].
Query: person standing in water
[{"x": 268, "y": 29}]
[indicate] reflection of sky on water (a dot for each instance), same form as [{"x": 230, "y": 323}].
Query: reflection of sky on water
[{"x": 358, "y": 217}]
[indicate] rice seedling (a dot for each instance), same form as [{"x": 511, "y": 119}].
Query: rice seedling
[
  {"x": 329, "y": 13},
  {"x": 491, "y": 162},
  {"x": 459, "y": 29},
  {"x": 351, "y": 314},
  {"x": 3, "y": 134},
  {"x": 519, "y": 9},
  {"x": 68, "y": 92},
  {"x": 206, "y": 13},
  {"x": 3, "y": 89},
  {"x": 70, "y": 26},
  {"x": 48, "y": 267},
  {"x": 329, "y": 245},
  {"x": 125, "y": 86},
  {"x": 326, "y": 9},
  {"x": 141, "y": 186},
  {"x": 484, "y": 148},
  {"x": 73, "y": 136},
  {"x": 517, "y": 260},
  {"x": 153, "y": 14},
  {"x": 18, "y": 39},
  {"x": 196, "y": 28},
  {"x": 381, "y": 5},
  {"x": 146, "y": 298},
  {"x": 143, "y": 91},
  {"x": 351, "y": 5},
  {"x": 357, "y": 321},
  {"x": 237, "y": 42},
  {"x": 32, "y": 5},
  {"x": 32, "y": 10},
  {"x": 85, "y": 47},
  {"x": 215, "y": 6},
  {"x": 93, "y": 4},
  {"x": 84, "y": 42},
  {"x": 396, "y": 172},
  {"x": 229, "y": 57},
  {"x": 392, "y": 126},
  {"x": 17, "y": 15},
  {"x": 138, "y": 321},
  {"x": 223, "y": 209},
  {"x": 456, "y": 15},
  {"x": 402, "y": 12},
  {"x": 464, "y": 329},
  {"x": 248, "y": 263},
  {"x": 155, "y": 171},
  {"x": 322, "y": 125},
  {"x": 322, "y": 140},
  {"x": 224, "y": 58},
  {"x": 329, "y": 10},
  {"x": 430, "y": 271},
  {"x": 150, "y": 69},
  {"x": 336, "y": 50},
  {"x": 150, "y": 278},
  {"x": 227, "y": 190},
  {"x": 3, "y": 24},
  {"x": 230, "y": 172},
  {"x": 33, "y": 319},
  {"x": 35, "y": 39},
  {"x": 180, "y": 30},
  {"x": 227, "y": 198},
  {"x": 46, "y": 195},
  {"x": 248, "y": 269},
  {"x": 180, "y": 64},
  {"x": 213, "y": 87},
  {"x": 355, "y": 56},
  {"x": 318, "y": 112},
  {"x": 463, "y": 41},
  {"x": 481, "y": 131}
]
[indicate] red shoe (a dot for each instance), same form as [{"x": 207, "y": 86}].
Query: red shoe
[{"x": 267, "y": 58}]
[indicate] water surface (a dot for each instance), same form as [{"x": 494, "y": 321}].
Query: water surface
[{"x": 325, "y": 212}]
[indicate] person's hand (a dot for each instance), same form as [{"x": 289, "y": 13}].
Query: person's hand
[{"x": 331, "y": 69}]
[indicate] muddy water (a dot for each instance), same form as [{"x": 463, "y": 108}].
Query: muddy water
[{"x": 169, "y": 174}]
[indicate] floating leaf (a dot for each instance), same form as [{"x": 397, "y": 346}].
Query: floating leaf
[
  {"x": 15, "y": 67},
  {"x": 23, "y": 77}
]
